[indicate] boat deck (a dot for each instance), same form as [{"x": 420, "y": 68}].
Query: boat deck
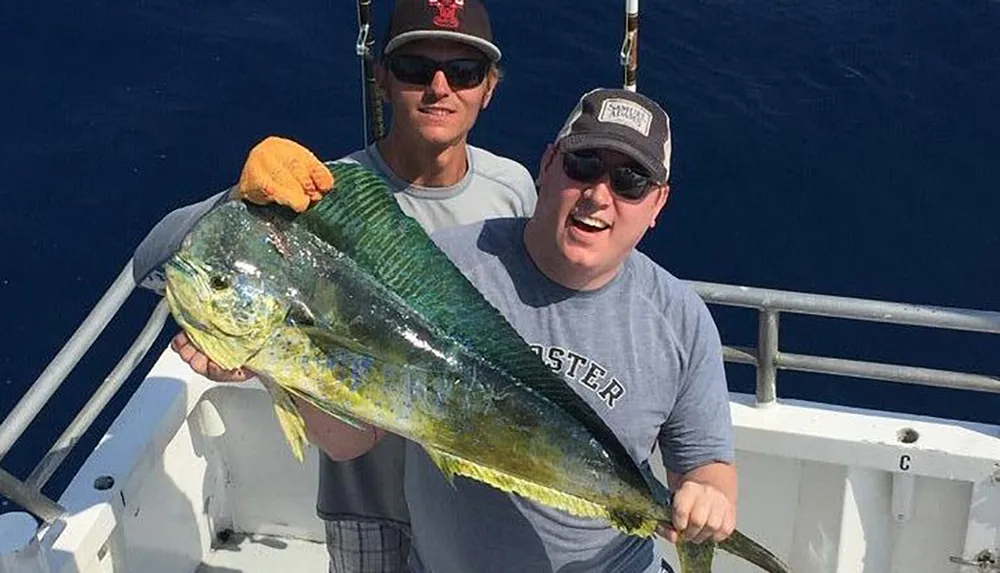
[{"x": 244, "y": 552}]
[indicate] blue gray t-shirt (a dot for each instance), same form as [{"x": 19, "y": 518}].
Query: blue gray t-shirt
[{"x": 643, "y": 351}]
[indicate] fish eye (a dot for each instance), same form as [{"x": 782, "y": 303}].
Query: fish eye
[{"x": 218, "y": 282}]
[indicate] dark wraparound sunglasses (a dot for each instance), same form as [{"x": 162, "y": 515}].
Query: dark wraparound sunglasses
[
  {"x": 461, "y": 73},
  {"x": 586, "y": 166}
]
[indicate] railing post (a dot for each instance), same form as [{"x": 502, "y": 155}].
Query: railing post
[
  {"x": 18, "y": 419},
  {"x": 30, "y": 499},
  {"x": 767, "y": 353},
  {"x": 105, "y": 392}
]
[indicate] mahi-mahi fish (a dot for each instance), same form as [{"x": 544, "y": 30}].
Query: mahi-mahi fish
[{"x": 351, "y": 307}]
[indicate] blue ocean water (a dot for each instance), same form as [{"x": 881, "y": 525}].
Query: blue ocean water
[{"x": 840, "y": 147}]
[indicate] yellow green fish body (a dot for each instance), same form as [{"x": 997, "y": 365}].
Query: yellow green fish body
[{"x": 351, "y": 307}]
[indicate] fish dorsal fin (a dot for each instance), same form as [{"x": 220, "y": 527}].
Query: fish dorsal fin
[{"x": 360, "y": 218}]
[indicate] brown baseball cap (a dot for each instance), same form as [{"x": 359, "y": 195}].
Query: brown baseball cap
[{"x": 464, "y": 21}]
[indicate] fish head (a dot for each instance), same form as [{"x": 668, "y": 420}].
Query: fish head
[{"x": 227, "y": 285}]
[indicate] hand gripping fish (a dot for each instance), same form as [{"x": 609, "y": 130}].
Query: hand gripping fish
[{"x": 351, "y": 307}]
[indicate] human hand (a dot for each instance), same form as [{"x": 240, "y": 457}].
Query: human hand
[
  {"x": 281, "y": 171},
  {"x": 700, "y": 512},
  {"x": 203, "y": 365}
]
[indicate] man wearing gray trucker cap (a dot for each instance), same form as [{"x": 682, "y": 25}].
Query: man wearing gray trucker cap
[{"x": 636, "y": 343}]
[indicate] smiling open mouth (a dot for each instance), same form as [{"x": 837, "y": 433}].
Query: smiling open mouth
[
  {"x": 436, "y": 112},
  {"x": 588, "y": 224}
]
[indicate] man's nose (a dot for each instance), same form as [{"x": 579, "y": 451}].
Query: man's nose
[
  {"x": 599, "y": 192},
  {"x": 439, "y": 84}
]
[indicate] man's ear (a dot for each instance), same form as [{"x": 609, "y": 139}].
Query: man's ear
[
  {"x": 661, "y": 201},
  {"x": 491, "y": 84},
  {"x": 550, "y": 152},
  {"x": 546, "y": 161}
]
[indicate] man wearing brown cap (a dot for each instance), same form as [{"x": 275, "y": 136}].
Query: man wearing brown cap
[
  {"x": 438, "y": 70},
  {"x": 636, "y": 343}
]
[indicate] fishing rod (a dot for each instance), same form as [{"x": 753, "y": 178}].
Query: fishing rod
[
  {"x": 364, "y": 47},
  {"x": 630, "y": 46}
]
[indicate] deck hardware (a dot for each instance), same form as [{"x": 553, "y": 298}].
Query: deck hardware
[
  {"x": 984, "y": 561},
  {"x": 908, "y": 436},
  {"x": 225, "y": 535},
  {"x": 103, "y": 483}
]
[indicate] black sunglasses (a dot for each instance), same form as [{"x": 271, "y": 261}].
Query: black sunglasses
[
  {"x": 461, "y": 73},
  {"x": 586, "y": 166}
]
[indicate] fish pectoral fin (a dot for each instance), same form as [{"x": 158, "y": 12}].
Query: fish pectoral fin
[
  {"x": 289, "y": 418},
  {"x": 327, "y": 340},
  {"x": 337, "y": 413}
]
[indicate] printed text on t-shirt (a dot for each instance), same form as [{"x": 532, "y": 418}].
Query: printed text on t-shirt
[{"x": 581, "y": 369}]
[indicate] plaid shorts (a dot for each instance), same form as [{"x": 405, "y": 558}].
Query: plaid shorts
[
  {"x": 377, "y": 547},
  {"x": 367, "y": 547}
]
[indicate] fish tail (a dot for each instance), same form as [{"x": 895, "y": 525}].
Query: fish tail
[
  {"x": 695, "y": 557},
  {"x": 745, "y": 548}
]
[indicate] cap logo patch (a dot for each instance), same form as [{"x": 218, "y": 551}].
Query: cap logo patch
[
  {"x": 627, "y": 113},
  {"x": 447, "y": 12}
]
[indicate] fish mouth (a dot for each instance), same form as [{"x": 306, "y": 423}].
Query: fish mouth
[
  {"x": 177, "y": 271},
  {"x": 179, "y": 265},
  {"x": 211, "y": 339}
]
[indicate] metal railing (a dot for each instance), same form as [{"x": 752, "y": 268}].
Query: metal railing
[
  {"x": 768, "y": 359},
  {"x": 765, "y": 357},
  {"x": 28, "y": 494}
]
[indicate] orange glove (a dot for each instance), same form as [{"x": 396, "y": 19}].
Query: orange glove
[{"x": 281, "y": 171}]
